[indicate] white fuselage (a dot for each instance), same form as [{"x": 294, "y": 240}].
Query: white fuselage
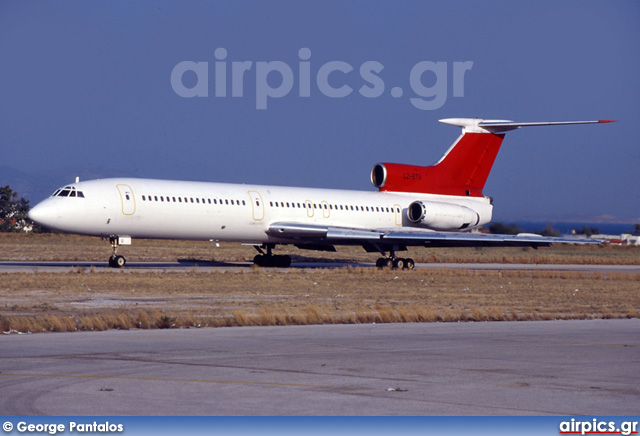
[{"x": 145, "y": 208}]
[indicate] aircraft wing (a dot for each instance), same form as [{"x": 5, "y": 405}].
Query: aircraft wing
[{"x": 301, "y": 234}]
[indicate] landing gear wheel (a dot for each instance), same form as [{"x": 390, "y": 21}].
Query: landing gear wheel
[
  {"x": 383, "y": 262},
  {"x": 399, "y": 263},
  {"x": 117, "y": 261},
  {"x": 259, "y": 260},
  {"x": 409, "y": 264}
]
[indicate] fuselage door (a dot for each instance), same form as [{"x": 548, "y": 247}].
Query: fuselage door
[
  {"x": 325, "y": 209},
  {"x": 257, "y": 205},
  {"x": 127, "y": 199}
]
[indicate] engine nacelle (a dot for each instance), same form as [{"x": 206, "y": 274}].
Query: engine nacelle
[{"x": 442, "y": 216}]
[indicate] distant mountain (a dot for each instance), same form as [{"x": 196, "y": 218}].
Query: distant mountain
[
  {"x": 591, "y": 219},
  {"x": 38, "y": 185}
]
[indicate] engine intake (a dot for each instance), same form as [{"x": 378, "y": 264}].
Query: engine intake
[
  {"x": 379, "y": 175},
  {"x": 442, "y": 216}
]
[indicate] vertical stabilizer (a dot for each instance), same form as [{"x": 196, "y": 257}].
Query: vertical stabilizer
[{"x": 463, "y": 170}]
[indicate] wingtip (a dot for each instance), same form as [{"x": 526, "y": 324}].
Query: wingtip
[{"x": 606, "y": 121}]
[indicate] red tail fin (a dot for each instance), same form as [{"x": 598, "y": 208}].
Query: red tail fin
[
  {"x": 462, "y": 171},
  {"x": 464, "y": 168}
]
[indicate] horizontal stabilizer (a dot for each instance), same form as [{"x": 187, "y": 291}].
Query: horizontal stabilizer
[{"x": 477, "y": 125}]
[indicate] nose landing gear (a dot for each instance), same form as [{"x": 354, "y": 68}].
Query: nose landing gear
[{"x": 116, "y": 261}]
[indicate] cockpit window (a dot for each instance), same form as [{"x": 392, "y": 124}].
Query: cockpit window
[{"x": 68, "y": 191}]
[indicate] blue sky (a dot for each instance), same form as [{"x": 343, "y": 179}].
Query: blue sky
[{"x": 88, "y": 85}]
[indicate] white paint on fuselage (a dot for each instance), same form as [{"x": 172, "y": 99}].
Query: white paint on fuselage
[{"x": 204, "y": 211}]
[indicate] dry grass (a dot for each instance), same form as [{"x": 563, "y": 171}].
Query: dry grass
[
  {"x": 90, "y": 299},
  {"x": 59, "y": 247},
  {"x": 114, "y": 299}
]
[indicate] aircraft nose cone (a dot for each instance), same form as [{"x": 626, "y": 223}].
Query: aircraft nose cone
[{"x": 44, "y": 213}]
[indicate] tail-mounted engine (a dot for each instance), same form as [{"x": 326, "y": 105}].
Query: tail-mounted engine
[
  {"x": 398, "y": 177},
  {"x": 414, "y": 178},
  {"x": 442, "y": 216}
]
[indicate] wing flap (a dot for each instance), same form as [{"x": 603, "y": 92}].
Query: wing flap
[{"x": 451, "y": 239}]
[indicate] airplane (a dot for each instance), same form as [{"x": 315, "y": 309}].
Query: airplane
[{"x": 432, "y": 206}]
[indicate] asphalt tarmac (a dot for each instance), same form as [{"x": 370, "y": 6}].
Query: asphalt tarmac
[
  {"x": 23, "y": 266},
  {"x": 497, "y": 368}
]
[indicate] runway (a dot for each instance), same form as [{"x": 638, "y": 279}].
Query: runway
[
  {"x": 188, "y": 265},
  {"x": 498, "y": 368}
]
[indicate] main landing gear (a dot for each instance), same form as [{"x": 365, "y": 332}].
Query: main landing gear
[
  {"x": 116, "y": 261},
  {"x": 394, "y": 262},
  {"x": 269, "y": 259}
]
